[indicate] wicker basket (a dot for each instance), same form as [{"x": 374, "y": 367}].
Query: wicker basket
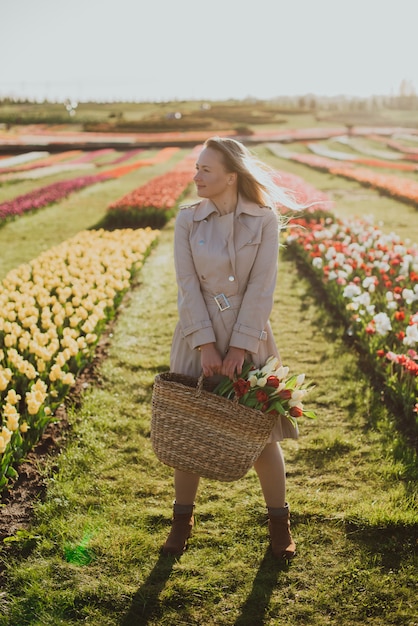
[{"x": 197, "y": 431}]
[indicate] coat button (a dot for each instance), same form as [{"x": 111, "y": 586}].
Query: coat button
[{"x": 231, "y": 278}]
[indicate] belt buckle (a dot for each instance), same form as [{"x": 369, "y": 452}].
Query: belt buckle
[{"x": 222, "y": 302}]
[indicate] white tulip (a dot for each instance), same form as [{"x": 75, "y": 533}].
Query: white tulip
[
  {"x": 382, "y": 324},
  {"x": 281, "y": 372},
  {"x": 270, "y": 365},
  {"x": 298, "y": 394},
  {"x": 296, "y": 403},
  {"x": 317, "y": 262},
  {"x": 300, "y": 379},
  {"x": 411, "y": 336}
]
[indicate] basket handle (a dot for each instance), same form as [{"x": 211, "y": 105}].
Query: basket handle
[{"x": 199, "y": 387}]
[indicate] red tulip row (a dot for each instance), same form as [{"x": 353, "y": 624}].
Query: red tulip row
[
  {"x": 162, "y": 156},
  {"x": 406, "y": 167},
  {"x": 153, "y": 203}
]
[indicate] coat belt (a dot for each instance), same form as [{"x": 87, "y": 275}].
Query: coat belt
[{"x": 221, "y": 301}]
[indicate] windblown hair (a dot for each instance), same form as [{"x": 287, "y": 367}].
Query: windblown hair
[{"x": 255, "y": 178}]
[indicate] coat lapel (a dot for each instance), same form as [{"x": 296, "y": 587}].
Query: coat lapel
[
  {"x": 203, "y": 209},
  {"x": 248, "y": 223}
]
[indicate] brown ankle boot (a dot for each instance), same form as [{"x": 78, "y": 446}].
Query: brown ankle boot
[
  {"x": 181, "y": 529},
  {"x": 282, "y": 544}
]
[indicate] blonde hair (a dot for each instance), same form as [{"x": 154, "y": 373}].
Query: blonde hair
[{"x": 255, "y": 178}]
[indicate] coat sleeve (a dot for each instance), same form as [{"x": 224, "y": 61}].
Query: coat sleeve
[
  {"x": 193, "y": 314},
  {"x": 257, "y": 302}
]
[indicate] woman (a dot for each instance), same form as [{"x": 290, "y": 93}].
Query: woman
[{"x": 226, "y": 251}]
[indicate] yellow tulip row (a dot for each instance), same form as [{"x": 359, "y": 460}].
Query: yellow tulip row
[{"x": 52, "y": 311}]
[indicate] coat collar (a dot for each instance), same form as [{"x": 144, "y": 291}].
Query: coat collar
[{"x": 206, "y": 207}]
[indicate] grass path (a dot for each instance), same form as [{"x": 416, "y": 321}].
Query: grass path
[{"x": 92, "y": 555}]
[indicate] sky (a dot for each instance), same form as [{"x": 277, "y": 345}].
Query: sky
[{"x": 152, "y": 50}]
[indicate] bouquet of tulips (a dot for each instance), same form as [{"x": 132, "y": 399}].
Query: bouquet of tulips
[{"x": 269, "y": 389}]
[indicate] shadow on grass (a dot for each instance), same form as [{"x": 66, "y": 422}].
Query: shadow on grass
[
  {"x": 253, "y": 611},
  {"x": 391, "y": 546},
  {"x": 145, "y": 605}
]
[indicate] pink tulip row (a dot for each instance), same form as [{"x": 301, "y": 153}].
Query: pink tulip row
[
  {"x": 128, "y": 154},
  {"x": 302, "y": 192},
  {"x": 92, "y": 155},
  {"x": 323, "y": 151},
  {"x": 40, "y": 198},
  {"x": 409, "y": 154},
  {"x": 402, "y": 148},
  {"x": 403, "y": 189},
  {"x": 322, "y": 163}
]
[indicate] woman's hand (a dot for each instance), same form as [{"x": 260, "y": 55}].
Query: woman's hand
[
  {"x": 210, "y": 359},
  {"x": 233, "y": 362}
]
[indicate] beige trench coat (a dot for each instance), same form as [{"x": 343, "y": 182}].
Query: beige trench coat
[{"x": 235, "y": 255}]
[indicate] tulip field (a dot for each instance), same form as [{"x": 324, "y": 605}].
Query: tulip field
[
  {"x": 52, "y": 314},
  {"x": 154, "y": 203},
  {"x": 371, "y": 279},
  {"x": 393, "y": 186},
  {"x": 360, "y": 260},
  {"x": 51, "y": 319},
  {"x": 44, "y": 196}
]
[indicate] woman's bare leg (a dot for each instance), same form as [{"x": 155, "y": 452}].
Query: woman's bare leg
[
  {"x": 185, "y": 486},
  {"x": 271, "y": 471}
]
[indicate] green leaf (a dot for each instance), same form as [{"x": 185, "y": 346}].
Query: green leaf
[
  {"x": 251, "y": 402},
  {"x": 293, "y": 420},
  {"x": 279, "y": 407},
  {"x": 11, "y": 472}
]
